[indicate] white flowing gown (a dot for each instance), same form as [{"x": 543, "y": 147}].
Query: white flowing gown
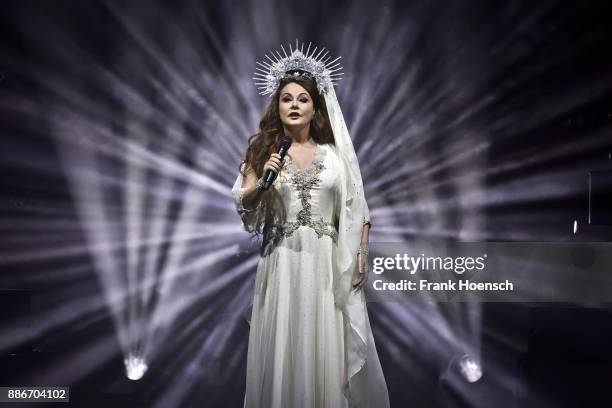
[{"x": 296, "y": 351}]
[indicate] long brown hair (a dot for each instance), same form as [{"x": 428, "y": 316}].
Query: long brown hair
[{"x": 265, "y": 142}]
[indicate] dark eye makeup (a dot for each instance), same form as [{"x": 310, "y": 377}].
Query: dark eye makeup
[{"x": 288, "y": 99}]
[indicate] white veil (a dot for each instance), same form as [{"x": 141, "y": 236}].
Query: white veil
[{"x": 365, "y": 384}]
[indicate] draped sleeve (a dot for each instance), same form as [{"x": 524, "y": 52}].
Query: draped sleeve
[{"x": 252, "y": 220}]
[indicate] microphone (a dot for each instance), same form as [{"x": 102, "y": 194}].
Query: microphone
[{"x": 270, "y": 175}]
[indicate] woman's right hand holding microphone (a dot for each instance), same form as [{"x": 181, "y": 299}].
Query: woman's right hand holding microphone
[{"x": 275, "y": 164}]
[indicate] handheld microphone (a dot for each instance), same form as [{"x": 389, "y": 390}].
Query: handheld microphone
[{"x": 270, "y": 175}]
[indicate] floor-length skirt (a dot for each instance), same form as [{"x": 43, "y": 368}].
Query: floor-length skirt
[{"x": 296, "y": 342}]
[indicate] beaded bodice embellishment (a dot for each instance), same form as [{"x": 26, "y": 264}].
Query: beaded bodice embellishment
[{"x": 304, "y": 181}]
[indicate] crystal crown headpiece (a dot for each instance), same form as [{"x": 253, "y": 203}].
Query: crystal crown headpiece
[{"x": 298, "y": 63}]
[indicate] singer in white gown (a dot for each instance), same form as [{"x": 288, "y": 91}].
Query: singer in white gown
[
  {"x": 310, "y": 342},
  {"x": 296, "y": 355}
]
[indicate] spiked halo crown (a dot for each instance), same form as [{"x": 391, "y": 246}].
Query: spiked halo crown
[{"x": 297, "y": 63}]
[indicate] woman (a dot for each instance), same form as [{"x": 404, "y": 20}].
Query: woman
[{"x": 310, "y": 343}]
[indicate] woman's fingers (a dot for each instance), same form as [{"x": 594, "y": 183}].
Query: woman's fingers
[
  {"x": 273, "y": 166},
  {"x": 275, "y": 163},
  {"x": 359, "y": 281},
  {"x": 364, "y": 268},
  {"x": 362, "y": 277}
]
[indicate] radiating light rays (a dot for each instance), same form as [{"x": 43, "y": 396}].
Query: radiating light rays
[
  {"x": 80, "y": 362},
  {"x": 438, "y": 332},
  {"x": 528, "y": 190},
  {"x": 172, "y": 292},
  {"x": 392, "y": 150},
  {"x": 210, "y": 82},
  {"x": 460, "y": 132},
  {"x": 69, "y": 248},
  {"x": 133, "y": 153},
  {"x": 143, "y": 216},
  {"x": 58, "y": 314},
  {"x": 426, "y": 321},
  {"x": 140, "y": 328}
]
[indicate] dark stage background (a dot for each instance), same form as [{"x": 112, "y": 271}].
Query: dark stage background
[{"x": 122, "y": 129}]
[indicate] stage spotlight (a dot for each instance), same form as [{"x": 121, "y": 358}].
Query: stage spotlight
[
  {"x": 462, "y": 368},
  {"x": 135, "y": 367},
  {"x": 470, "y": 368},
  {"x": 575, "y": 226}
]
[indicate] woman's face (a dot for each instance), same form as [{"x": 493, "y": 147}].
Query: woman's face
[{"x": 295, "y": 106}]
